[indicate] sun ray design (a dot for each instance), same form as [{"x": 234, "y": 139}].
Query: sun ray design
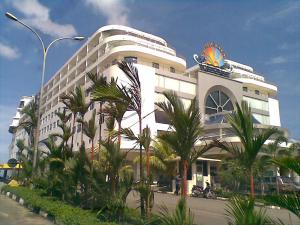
[{"x": 213, "y": 55}]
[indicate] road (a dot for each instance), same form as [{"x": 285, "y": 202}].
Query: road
[
  {"x": 207, "y": 211},
  {"x": 12, "y": 213}
]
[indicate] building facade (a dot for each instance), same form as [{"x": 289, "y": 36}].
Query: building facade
[
  {"x": 160, "y": 68},
  {"x": 18, "y": 133}
]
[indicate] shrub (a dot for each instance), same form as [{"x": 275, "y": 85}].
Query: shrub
[{"x": 62, "y": 213}]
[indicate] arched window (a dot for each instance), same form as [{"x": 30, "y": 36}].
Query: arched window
[{"x": 217, "y": 102}]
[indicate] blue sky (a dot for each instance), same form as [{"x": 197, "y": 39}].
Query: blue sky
[{"x": 262, "y": 34}]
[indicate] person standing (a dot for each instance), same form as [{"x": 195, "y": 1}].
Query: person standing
[{"x": 177, "y": 183}]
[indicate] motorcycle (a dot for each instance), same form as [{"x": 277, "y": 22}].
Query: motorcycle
[{"x": 199, "y": 191}]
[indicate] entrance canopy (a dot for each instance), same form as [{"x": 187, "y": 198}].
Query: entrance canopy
[
  {"x": 5, "y": 166},
  {"x": 208, "y": 159}
]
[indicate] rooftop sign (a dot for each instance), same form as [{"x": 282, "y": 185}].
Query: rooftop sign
[{"x": 212, "y": 59}]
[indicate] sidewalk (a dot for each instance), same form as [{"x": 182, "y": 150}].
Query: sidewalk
[{"x": 11, "y": 213}]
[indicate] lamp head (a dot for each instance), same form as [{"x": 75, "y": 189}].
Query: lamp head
[
  {"x": 79, "y": 38},
  {"x": 11, "y": 16}
]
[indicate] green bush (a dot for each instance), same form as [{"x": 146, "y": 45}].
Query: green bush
[{"x": 62, "y": 213}]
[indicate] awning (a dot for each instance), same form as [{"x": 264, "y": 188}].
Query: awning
[
  {"x": 5, "y": 166},
  {"x": 208, "y": 159}
]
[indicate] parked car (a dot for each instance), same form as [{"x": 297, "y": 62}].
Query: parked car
[{"x": 285, "y": 184}]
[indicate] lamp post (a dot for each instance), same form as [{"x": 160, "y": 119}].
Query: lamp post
[{"x": 45, "y": 51}]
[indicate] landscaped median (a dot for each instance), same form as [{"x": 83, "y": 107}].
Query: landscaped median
[{"x": 55, "y": 210}]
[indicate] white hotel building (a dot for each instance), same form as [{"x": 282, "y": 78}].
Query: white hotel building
[{"x": 160, "y": 69}]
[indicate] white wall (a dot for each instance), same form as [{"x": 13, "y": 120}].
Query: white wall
[
  {"x": 147, "y": 79},
  {"x": 274, "y": 112}
]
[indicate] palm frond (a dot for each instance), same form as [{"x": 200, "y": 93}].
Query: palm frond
[{"x": 290, "y": 202}]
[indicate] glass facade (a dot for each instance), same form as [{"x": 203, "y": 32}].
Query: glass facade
[
  {"x": 257, "y": 104},
  {"x": 262, "y": 118},
  {"x": 175, "y": 85},
  {"x": 158, "y": 97}
]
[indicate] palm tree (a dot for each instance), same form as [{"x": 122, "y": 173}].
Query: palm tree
[
  {"x": 30, "y": 122},
  {"x": 290, "y": 202},
  {"x": 98, "y": 80},
  {"x": 181, "y": 216},
  {"x": 240, "y": 211},
  {"x": 117, "y": 111},
  {"x": 66, "y": 132},
  {"x": 90, "y": 129},
  {"x": 76, "y": 103},
  {"x": 274, "y": 148},
  {"x": 114, "y": 159},
  {"x": 21, "y": 146},
  {"x": 144, "y": 140},
  {"x": 187, "y": 132},
  {"x": 128, "y": 95},
  {"x": 252, "y": 139}
]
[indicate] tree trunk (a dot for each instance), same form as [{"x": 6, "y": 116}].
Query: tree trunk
[
  {"x": 184, "y": 182},
  {"x": 113, "y": 186},
  {"x": 92, "y": 150},
  {"x": 119, "y": 132},
  {"x": 148, "y": 163},
  {"x": 141, "y": 166},
  {"x": 252, "y": 185},
  {"x": 73, "y": 132},
  {"x": 100, "y": 127}
]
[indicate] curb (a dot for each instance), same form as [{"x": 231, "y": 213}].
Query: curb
[{"x": 30, "y": 207}]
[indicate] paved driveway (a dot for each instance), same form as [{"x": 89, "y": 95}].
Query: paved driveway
[
  {"x": 11, "y": 213},
  {"x": 207, "y": 211}
]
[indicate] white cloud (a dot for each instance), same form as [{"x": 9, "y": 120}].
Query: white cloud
[
  {"x": 277, "y": 60},
  {"x": 272, "y": 16},
  {"x": 38, "y": 16},
  {"x": 115, "y": 10},
  {"x": 8, "y": 52}
]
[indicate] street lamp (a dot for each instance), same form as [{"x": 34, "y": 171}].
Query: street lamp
[{"x": 45, "y": 51}]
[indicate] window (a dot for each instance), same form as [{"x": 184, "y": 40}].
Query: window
[
  {"x": 155, "y": 65},
  {"x": 159, "y": 81},
  {"x": 47, "y": 128},
  {"x": 172, "y": 69},
  {"x": 21, "y": 105},
  {"x": 217, "y": 102},
  {"x": 171, "y": 84},
  {"x": 245, "y": 89},
  {"x": 50, "y": 127},
  {"x": 256, "y": 103},
  {"x": 130, "y": 59},
  {"x": 52, "y": 115},
  {"x": 187, "y": 88},
  {"x": 74, "y": 130},
  {"x": 54, "y": 125},
  {"x": 262, "y": 118},
  {"x": 257, "y": 92}
]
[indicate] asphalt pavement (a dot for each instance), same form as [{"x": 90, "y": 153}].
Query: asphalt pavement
[{"x": 207, "y": 211}]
